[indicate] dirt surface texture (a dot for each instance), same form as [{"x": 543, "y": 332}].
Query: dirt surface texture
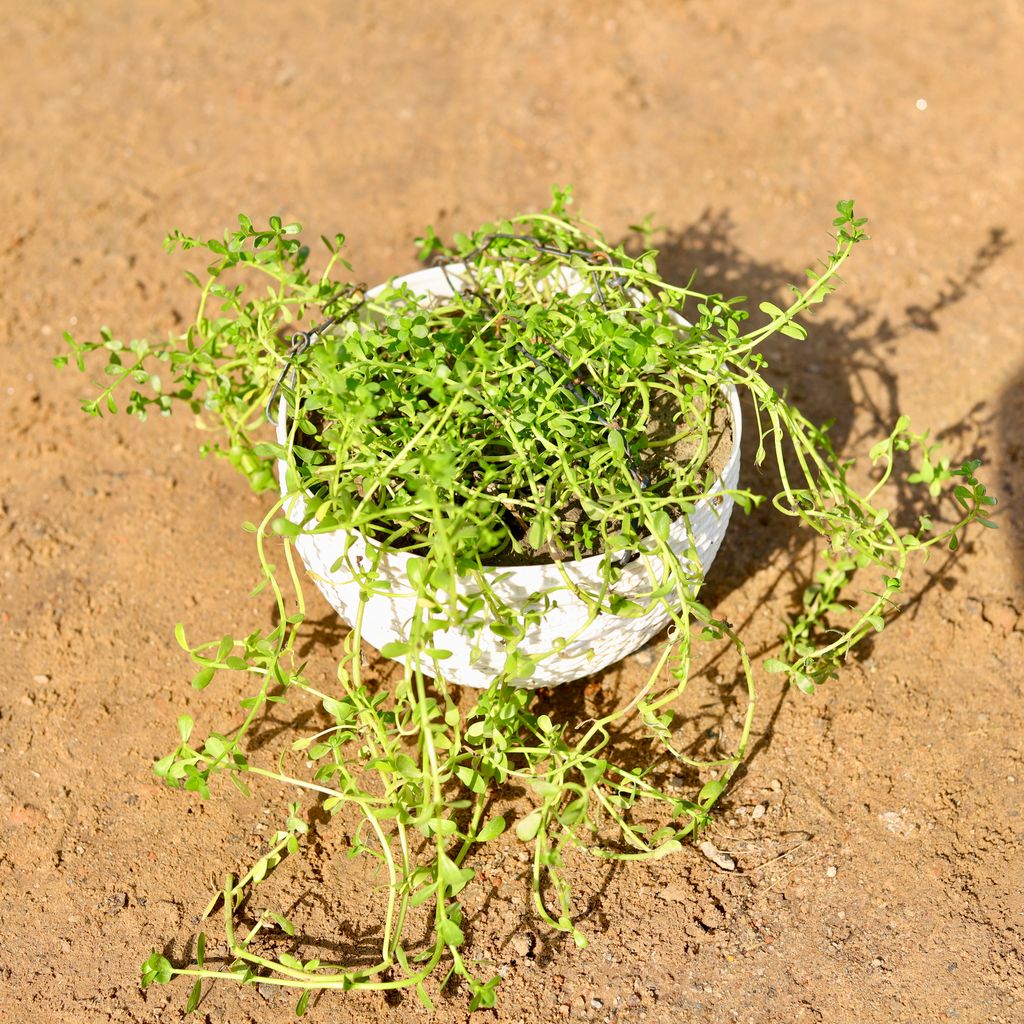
[{"x": 876, "y": 833}]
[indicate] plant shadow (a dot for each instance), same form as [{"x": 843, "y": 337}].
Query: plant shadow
[
  {"x": 843, "y": 374},
  {"x": 1009, "y": 428}
]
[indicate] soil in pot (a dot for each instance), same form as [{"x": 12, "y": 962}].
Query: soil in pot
[{"x": 662, "y": 449}]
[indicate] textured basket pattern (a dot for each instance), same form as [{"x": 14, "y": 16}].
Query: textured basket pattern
[{"x": 479, "y": 656}]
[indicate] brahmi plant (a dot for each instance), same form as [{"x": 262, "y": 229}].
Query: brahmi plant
[{"x": 553, "y": 407}]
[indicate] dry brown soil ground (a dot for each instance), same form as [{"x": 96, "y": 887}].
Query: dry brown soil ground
[{"x": 883, "y": 880}]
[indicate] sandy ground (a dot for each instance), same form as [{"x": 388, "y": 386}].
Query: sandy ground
[{"x": 883, "y": 880}]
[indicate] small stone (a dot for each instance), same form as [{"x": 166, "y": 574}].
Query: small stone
[
  {"x": 117, "y": 901},
  {"x": 676, "y": 893},
  {"x": 710, "y": 917},
  {"x": 775, "y": 786},
  {"x": 716, "y": 856},
  {"x": 1001, "y": 615},
  {"x": 285, "y": 76},
  {"x": 41, "y": 679},
  {"x": 645, "y": 656},
  {"x": 267, "y": 991},
  {"x": 522, "y": 943},
  {"x": 758, "y": 812},
  {"x": 28, "y": 815},
  {"x": 830, "y": 871},
  {"x": 895, "y": 823},
  {"x": 597, "y": 1004}
]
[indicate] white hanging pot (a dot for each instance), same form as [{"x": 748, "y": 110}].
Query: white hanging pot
[{"x": 588, "y": 643}]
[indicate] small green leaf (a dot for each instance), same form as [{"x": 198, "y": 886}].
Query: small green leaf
[
  {"x": 450, "y": 933},
  {"x": 803, "y": 682},
  {"x": 237, "y": 782},
  {"x": 537, "y": 533},
  {"x": 193, "y": 999},
  {"x": 285, "y": 528},
  {"x": 794, "y": 330},
  {"x": 156, "y": 969},
  {"x": 528, "y": 827},
  {"x": 485, "y": 996},
  {"x": 425, "y": 1000},
  {"x": 471, "y": 779},
  {"x": 879, "y": 451},
  {"x": 661, "y": 523},
  {"x": 415, "y": 569},
  {"x": 454, "y": 878},
  {"x": 505, "y": 631},
  {"x": 494, "y": 828},
  {"x": 283, "y": 923},
  {"x": 216, "y": 745},
  {"x": 422, "y": 895},
  {"x": 711, "y": 791},
  {"x": 666, "y": 848},
  {"x": 179, "y": 635},
  {"x": 203, "y": 678}
]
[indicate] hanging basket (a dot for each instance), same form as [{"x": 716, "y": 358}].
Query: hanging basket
[{"x": 585, "y": 643}]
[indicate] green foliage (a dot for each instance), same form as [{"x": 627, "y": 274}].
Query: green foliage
[{"x": 511, "y": 421}]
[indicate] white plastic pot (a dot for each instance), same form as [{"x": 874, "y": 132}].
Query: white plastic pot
[{"x": 477, "y": 658}]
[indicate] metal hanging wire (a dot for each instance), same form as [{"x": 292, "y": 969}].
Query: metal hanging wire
[{"x": 302, "y": 341}]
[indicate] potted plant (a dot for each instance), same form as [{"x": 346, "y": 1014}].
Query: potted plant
[{"x": 506, "y": 471}]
